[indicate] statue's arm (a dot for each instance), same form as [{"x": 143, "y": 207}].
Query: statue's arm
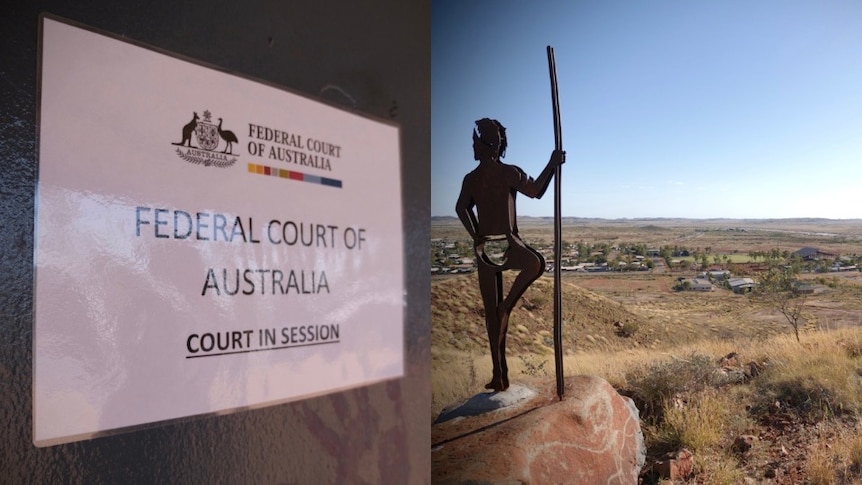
[
  {"x": 464, "y": 209},
  {"x": 536, "y": 188}
]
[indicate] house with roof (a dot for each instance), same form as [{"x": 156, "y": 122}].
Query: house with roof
[
  {"x": 741, "y": 285},
  {"x": 803, "y": 288},
  {"x": 809, "y": 253},
  {"x": 694, "y": 284},
  {"x": 700, "y": 284},
  {"x": 716, "y": 274}
]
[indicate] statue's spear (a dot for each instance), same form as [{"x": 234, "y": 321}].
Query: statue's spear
[{"x": 558, "y": 235}]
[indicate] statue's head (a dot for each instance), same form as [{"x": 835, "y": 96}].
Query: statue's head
[{"x": 489, "y": 137}]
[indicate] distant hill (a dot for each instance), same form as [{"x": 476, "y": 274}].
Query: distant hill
[
  {"x": 676, "y": 220},
  {"x": 813, "y": 225}
]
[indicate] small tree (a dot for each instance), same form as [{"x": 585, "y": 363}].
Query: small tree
[
  {"x": 780, "y": 290},
  {"x": 682, "y": 284}
]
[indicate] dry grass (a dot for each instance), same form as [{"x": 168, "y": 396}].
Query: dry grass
[
  {"x": 698, "y": 424},
  {"x": 816, "y": 385},
  {"x": 837, "y": 460},
  {"x": 853, "y": 452},
  {"x": 820, "y": 467},
  {"x": 823, "y": 370},
  {"x": 720, "y": 469},
  {"x": 815, "y": 381}
]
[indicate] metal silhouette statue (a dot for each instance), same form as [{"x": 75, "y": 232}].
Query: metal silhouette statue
[{"x": 491, "y": 189}]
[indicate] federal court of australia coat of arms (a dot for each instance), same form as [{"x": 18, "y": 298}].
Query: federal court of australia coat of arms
[{"x": 213, "y": 146}]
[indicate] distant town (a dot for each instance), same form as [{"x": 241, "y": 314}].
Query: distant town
[{"x": 704, "y": 269}]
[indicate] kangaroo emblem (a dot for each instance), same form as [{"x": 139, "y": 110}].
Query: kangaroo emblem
[{"x": 188, "y": 130}]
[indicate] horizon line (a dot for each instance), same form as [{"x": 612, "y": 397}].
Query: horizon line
[{"x": 654, "y": 218}]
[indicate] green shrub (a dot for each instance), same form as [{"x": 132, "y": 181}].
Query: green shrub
[{"x": 627, "y": 329}]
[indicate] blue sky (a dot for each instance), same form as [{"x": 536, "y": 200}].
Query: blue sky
[{"x": 699, "y": 109}]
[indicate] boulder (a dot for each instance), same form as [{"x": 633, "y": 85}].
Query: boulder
[
  {"x": 592, "y": 435},
  {"x": 743, "y": 444},
  {"x": 675, "y": 465}
]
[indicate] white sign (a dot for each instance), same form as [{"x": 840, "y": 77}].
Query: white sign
[{"x": 204, "y": 242}]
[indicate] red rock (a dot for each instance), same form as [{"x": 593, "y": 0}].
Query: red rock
[
  {"x": 730, "y": 360},
  {"x": 743, "y": 443},
  {"x": 592, "y": 436},
  {"x": 675, "y": 465},
  {"x": 754, "y": 369}
]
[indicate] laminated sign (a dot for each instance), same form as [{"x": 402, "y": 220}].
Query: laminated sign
[{"x": 204, "y": 242}]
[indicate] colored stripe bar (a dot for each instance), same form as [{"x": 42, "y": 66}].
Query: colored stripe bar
[{"x": 292, "y": 175}]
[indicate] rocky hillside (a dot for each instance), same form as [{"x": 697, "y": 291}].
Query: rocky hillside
[{"x": 590, "y": 321}]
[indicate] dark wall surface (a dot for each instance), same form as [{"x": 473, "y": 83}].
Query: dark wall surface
[{"x": 371, "y": 57}]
